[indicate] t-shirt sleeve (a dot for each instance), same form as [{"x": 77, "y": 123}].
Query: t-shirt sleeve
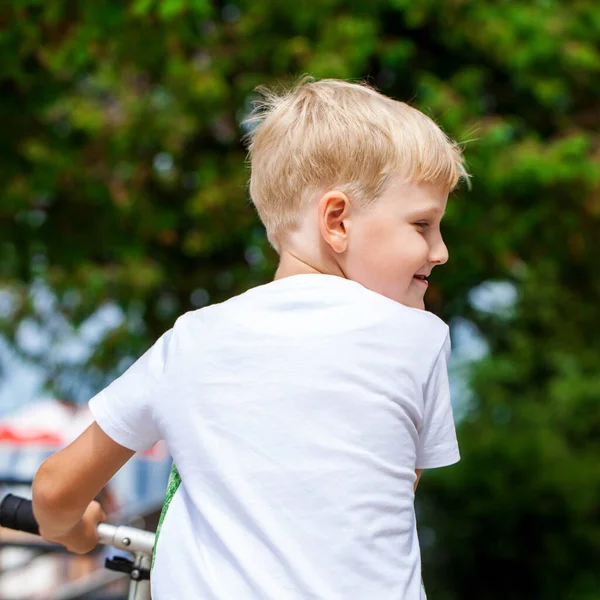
[
  {"x": 438, "y": 446},
  {"x": 126, "y": 409}
]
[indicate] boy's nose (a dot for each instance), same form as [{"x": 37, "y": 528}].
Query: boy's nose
[{"x": 439, "y": 254}]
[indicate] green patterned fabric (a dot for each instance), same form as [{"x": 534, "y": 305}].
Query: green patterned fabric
[{"x": 172, "y": 487}]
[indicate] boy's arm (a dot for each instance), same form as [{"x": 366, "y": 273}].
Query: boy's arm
[
  {"x": 418, "y": 472},
  {"x": 68, "y": 481}
]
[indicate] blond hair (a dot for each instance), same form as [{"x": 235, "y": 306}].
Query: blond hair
[{"x": 331, "y": 134}]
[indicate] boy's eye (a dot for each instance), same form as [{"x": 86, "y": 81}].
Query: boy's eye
[{"x": 422, "y": 224}]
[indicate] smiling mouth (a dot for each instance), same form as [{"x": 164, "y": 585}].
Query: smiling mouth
[{"x": 421, "y": 279}]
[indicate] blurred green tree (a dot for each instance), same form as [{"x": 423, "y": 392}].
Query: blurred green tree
[{"x": 123, "y": 185}]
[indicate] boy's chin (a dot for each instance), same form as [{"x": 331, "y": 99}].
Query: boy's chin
[
  {"x": 417, "y": 303},
  {"x": 409, "y": 299}
]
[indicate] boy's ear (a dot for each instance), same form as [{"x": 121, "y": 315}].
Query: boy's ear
[{"x": 334, "y": 216}]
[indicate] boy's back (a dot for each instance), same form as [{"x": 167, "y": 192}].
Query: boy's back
[{"x": 296, "y": 414}]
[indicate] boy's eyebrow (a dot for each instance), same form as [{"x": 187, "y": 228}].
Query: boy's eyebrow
[{"x": 431, "y": 209}]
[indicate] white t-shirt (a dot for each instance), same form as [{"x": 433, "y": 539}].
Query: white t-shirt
[{"x": 296, "y": 414}]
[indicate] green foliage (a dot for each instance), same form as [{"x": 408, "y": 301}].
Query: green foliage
[{"x": 123, "y": 180}]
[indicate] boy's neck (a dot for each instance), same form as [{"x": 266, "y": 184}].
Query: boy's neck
[{"x": 290, "y": 264}]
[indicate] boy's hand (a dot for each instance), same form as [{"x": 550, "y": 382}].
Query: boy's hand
[{"x": 83, "y": 537}]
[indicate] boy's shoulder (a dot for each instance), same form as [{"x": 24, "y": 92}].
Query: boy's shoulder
[
  {"x": 396, "y": 314},
  {"x": 312, "y": 294}
]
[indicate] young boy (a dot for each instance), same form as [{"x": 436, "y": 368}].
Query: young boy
[{"x": 300, "y": 413}]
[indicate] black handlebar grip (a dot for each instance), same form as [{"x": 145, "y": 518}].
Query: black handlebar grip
[{"x": 17, "y": 513}]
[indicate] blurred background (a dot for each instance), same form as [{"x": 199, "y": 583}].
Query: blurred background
[{"x": 123, "y": 204}]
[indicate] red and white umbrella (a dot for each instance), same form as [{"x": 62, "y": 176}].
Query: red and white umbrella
[
  {"x": 49, "y": 425},
  {"x": 45, "y": 425}
]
